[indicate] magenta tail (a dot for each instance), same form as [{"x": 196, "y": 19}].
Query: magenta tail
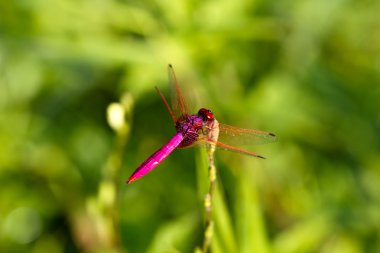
[{"x": 155, "y": 159}]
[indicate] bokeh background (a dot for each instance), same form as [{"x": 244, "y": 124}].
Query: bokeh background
[{"x": 78, "y": 113}]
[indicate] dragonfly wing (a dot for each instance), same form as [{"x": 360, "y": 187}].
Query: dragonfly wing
[
  {"x": 174, "y": 118},
  {"x": 230, "y": 136},
  {"x": 241, "y": 136},
  {"x": 178, "y": 102},
  {"x": 223, "y": 146}
]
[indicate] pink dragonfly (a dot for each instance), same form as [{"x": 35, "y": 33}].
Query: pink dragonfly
[{"x": 201, "y": 128}]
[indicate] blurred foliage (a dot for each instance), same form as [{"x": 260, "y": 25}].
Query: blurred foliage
[{"x": 307, "y": 70}]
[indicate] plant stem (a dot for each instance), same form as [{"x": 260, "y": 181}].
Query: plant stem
[
  {"x": 119, "y": 118},
  {"x": 208, "y": 202}
]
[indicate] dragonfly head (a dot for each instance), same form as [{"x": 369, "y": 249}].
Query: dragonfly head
[{"x": 206, "y": 114}]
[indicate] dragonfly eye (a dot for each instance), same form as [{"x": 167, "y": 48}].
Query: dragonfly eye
[{"x": 206, "y": 114}]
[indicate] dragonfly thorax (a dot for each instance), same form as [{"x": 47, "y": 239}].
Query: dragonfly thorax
[{"x": 190, "y": 126}]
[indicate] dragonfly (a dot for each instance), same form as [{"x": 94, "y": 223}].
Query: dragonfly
[{"x": 199, "y": 129}]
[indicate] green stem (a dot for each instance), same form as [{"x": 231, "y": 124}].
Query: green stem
[
  {"x": 208, "y": 234},
  {"x": 119, "y": 117},
  {"x": 208, "y": 202}
]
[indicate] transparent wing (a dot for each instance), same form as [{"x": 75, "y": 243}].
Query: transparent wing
[
  {"x": 178, "y": 102},
  {"x": 229, "y": 136},
  {"x": 240, "y": 136},
  {"x": 174, "y": 118},
  {"x": 224, "y": 146},
  {"x": 202, "y": 142}
]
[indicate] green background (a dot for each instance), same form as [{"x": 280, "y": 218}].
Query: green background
[{"x": 307, "y": 70}]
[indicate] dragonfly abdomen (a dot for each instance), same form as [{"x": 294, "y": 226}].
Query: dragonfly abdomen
[{"x": 155, "y": 159}]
